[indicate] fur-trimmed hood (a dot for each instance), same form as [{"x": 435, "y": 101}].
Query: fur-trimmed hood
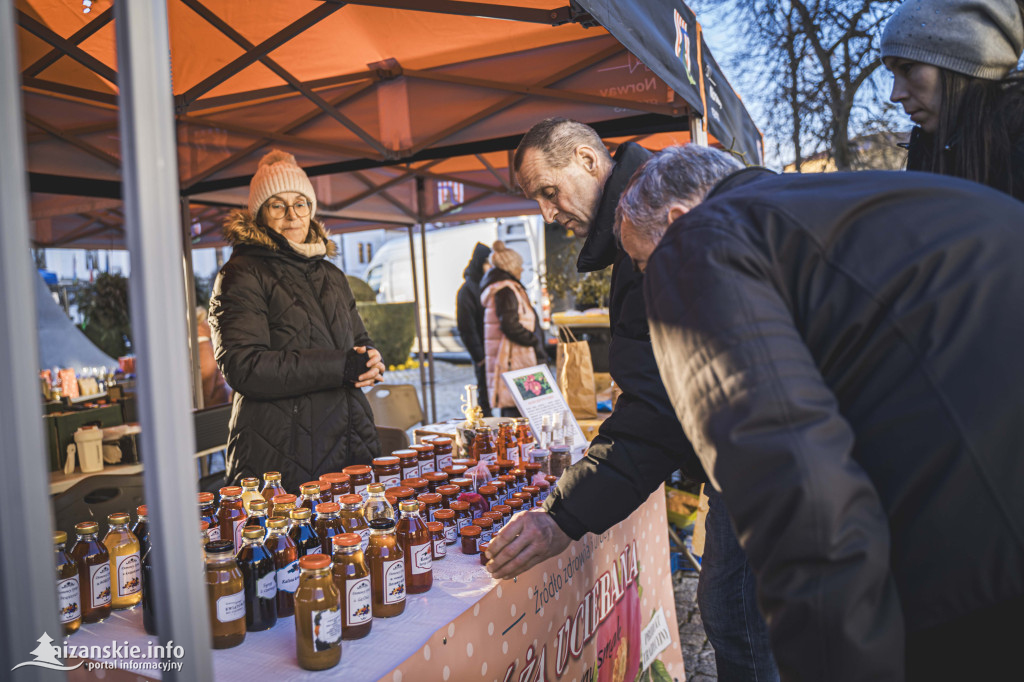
[{"x": 240, "y": 228}]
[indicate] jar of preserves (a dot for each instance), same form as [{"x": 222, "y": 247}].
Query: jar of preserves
[
  {"x": 231, "y": 515},
  {"x": 386, "y": 561},
  {"x": 442, "y": 452},
  {"x": 425, "y": 456},
  {"x": 471, "y": 539},
  {"x": 208, "y": 513},
  {"x": 387, "y": 471},
  {"x": 417, "y": 545},
  {"x": 432, "y": 501},
  {"x": 464, "y": 462},
  {"x": 493, "y": 470},
  {"x": 141, "y": 528},
  {"x": 250, "y": 491},
  {"x": 505, "y": 466},
  {"x": 486, "y": 528},
  {"x": 515, "y": 504},
  {"x": 510, "y": 484},
  {"x": 328, "y": 524},
  {"x": 534, "y": 494},
  {"x": 446, "y": 517},
  {"x": 543, "y": 487},
  {"x": 499, "y": 485},
  {"x": 526, "y": 498},
  {"x": 409, "y": 462},
  {"x": 455, "y": 471},
  {"x": 337, "y": 483},
  {"x": 525, "y": 437},
  {"x": 448, "y": 493},
  {"x": 497, "y": 518},
  {"x": 352, "y": 519},
  {"x": 465, "y": 484},
  {"x": 352, "y": 578},
  {"x": 317, "y": 615},
  {"x": 551, "y": 480},
  {"x": 69, "y": 600},
  {"x": 532, "y": 469},
  {"x": 439, "y": 547},
  {"x": 125, "y": 563},
  {"x": 359, "y": 476},
  {"x": 483, "y": 553},
  {"x": 259, "y": 578},
  {"x": 225, "y": 594},
  {"x": 463, "y": 515},
  {"x": 490, "y": 494},
  {"x": 271, "y": 488},
  {"x": 418, "y": 485},
  {"x": 93, "y": 564},
  {"x": 521, "y": 478},
  {"x": 377, "y": 508},
  {"x": 286, "y": 564},
  {"x": 435, "y": 479},
  {"x": 283, "y": 507},
  {"x": 484, "y": 449},
  {"x": 505, "y": 511},
  {"x": 302, "y": 534},
  {"x": 257, "y": 515}
]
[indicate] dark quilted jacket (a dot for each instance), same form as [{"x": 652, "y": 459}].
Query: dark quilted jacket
[{"x": 282, "y": 326}]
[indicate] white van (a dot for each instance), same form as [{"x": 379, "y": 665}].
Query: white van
[{"x": 449, "y": 249}]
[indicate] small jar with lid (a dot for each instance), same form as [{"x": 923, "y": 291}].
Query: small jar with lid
[
  {"x": 408, "y": 460},
  {"x": 500, "y": 486},
  {"x": 448, "y": 494},
  {"x": 225, "y": 595},
  {"x": 416, "y": 542},
  {"x": 521, "y": 478},
  {"x": 511, "y": 484},
  {"x": 418, "y": 485},
  {"x": 496, "y": 517},
  {"x": 327, "y": 525},
  {"x": 386, "y": 561},
  {"x": 515, "y": 504},
  {"x": 465, "y": 484},
  {"x": 250, "y": 491},
  {"x": 272, "y": 488},
  {"x": 505, "y": 466},
  {"x": 483, "y": 553},
  {"x": 534, "y": 494},
  {"x": 432, "y": 501},
  {"x": 352, "y": 519},
  {"x": 352, "y": 578},
  {"x": 257, "y": 514},
  {"x": 446, "y": 517},
  {"x": 284, "y": 505},
  {"x": 439, "y": 547},
  {"x": 317, "y": 615},
  {"x": 231, "y": 515},
  {"x": 387, "y": 471},
  {"x": 526, "y": 497},
  {"x": 561, "y": 459},
  {"x": 455, "y": 471},
  {"x": 425, "y": 455},
  {"x": 69, "y": 600},
  {"x": 125, "y": 562},
  {"x": 337, "y": 483},
  {"x": 464, "y": 462},
  {"x": 490, "y": 494},
  {"x": 486, "y": 526},
  {"x": 505, "y": 511},
  {"x": 401, "y": 493},
  {"x": 542, "y": 459},
  {"x": 442, "y": 452},
  {"x": 551, "y": 480},
  {"x": 435, "y": 479},
  {"x": 471, "y": 539},
  {"x": 309, "y": 497},
  {"x": 543, "y": 488},
  {"x": 93, "y": 564},
  {"x": 305, "y": 538},
  {"x": 463, "y": 514},
  {"x": 493, "y": 470},
  {"x": 208, "y": 513},
  {"x": 359, "y": 476},
  {"x": 286, "y": 564}
]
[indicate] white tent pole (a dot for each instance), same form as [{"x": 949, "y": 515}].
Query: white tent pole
[
  {"x": 421, "y": 213},
  {"x": 698, "y": 135},
  {"x": 29, "y": 606},
  {"x": 152, "y": 230},
  {"x": 198, "y": 401},
  {"x": 419, "y": 330}
]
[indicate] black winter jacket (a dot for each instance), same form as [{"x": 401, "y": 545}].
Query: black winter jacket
[
  {"x": 844, "y": 350},
  {"x": 641, "y": 443},
  {"x": 283, "y": 326},
  {"x": 469, "y": 312},
  {"x": 919, "y": 148}
]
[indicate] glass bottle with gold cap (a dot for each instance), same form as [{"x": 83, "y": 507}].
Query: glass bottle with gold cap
[
  {"x": 302, "y": 533},
  {"x": 271, "y": 489},
  {"x": 327, "y": 525},
  {"x": 93, "y": 563},
  {"x": 260, "y": 579},
  {"x": 69, "y": 600},
  {"x": 377, "y": 507},
  {"x": 309, "y": 497},
  {"x": 386, "y": 561},
  {"x": 352, "y": 578},
  {"x": 257, "y": 514},
  {"x": 415, "y": 540},
  {"x": 125, "y": 563},
  {"x": 286, "y": 564},
  {"x": 208, "y": 513},
  {"x": 250, "y": 491},
  {"x": 141, "y": 529},
  {"x": 225, "y": 595},
  {"x": 317, "y": 615}
]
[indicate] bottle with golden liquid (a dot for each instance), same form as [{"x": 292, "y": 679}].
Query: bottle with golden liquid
[
  {"x": 231, "y": 515},
  {"x": 225, "y": 593},
  {"x": 271, "y": 488},
  {"x": 317, "y": 615},
  {"x": 386, "y": 561},
  {"x": 93, "y": 564},
  {"x": 69, "y": 602},
  {"x": 416, "y": 542},
  {"x": 286, "y": 564},
  {"x": 125, "y": 563},
  {"x": 352, "y": 578},
  {"x": 352, "y": 519},
  {"x": 283, "y": 506},
  {"x": 250, "y": 491}
]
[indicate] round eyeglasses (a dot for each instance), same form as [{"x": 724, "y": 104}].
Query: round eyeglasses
[{"x": 277, "y": 208}]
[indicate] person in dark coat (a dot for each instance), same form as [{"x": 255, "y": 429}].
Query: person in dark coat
[
  {"x": 289, "y": 339},
  {"x": 844, "y": 351},
  {"x": 469, "y": 317}
]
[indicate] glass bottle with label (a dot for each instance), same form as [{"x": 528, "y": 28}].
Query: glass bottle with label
[
  {"x": 208, "y": 513},
  {"x": 309, "y": 497},
  {"x": 225, "y": 595},
  {"x": 250, "y": 491},
  {"x": 148, "y": 595},
  {"x": 352, "y": 578},
  {"x": 317, "y": 615},
  {"x": 425, "y": 457},
  {"x": 484, "y": 449},
  {"x": 125, "y": 563},
  {"x": 93, "y": 564},
  {"x": 257, "y": 514},
  {"x": 302, "y": 533},
  {"x": 352, "y": 519},
  {"x": 524, "y": 435},
  {"x": 231, "y": 515},
  {"x": 259, "y": 575},
  {"x": 377, "y": 507},
  {"x": 283, "y": 506},
  {"x": 286, "y": 564},
  {"x": 69, "y": 600},
  {"x": 415, "y": 540},
  {"x": 141, "y": 529},
  {"x": 386, "y": 561},
  {"x": 359, "y": 476},
  {"x": 328, "y": 524},
  {"x": 271, "y": 488}
]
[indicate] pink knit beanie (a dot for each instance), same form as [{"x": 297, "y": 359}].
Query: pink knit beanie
[
  {"x": 278, "y": 172},
  {"x": 505, "y": 258}
]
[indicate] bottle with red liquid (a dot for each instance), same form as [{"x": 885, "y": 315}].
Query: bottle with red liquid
[
  {"x": 525, "y": 437},
  {"x": 414, "y": 538},
  {"x": 484, "y": 449}
]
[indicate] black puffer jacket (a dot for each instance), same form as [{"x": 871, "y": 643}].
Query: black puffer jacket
[
  {"x": 469, "y": 312},
  {"x": 283, "y": 326},
  {"x": 641, "y": 443},
  {"x": 919, "y": 148},
  {"x": 844, "y": 351}
]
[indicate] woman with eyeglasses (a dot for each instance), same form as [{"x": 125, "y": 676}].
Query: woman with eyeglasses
[
  {"x": 954, "y": 66},
  {"x": 288, "y": 338}
]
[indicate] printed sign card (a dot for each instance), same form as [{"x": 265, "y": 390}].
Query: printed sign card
[{"x": 536, "y": 394}]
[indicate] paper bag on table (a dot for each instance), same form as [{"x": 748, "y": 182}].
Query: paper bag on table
[{"x": 576, "y": 376}]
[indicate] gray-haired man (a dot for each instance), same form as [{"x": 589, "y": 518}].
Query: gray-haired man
[{"x": 843, "y": 352}]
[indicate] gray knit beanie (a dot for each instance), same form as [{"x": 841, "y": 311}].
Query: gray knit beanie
[{"x": 980, "y": 38}]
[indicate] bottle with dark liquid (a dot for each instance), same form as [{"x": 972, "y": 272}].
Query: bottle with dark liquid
[
  {"x": 386, "y": 561},
  {"x": 286, "y": 563},
  {"x": 525, "y": 437},
  {"x": 148, "y": 597},
  {"x": 328, "y": 524},
  {"x": 141, "y": 529},
  {"x": 125, "y": 563},
  {"x": 317, "y": 615},
  {"x": 271, "y": 488},
  {"x": 309, "y": 497},
  {"x": 377, "y": 507},
  {"x": 352, "y": 578},
  {"x": 257, "y": 515},
  {"x": 231, "y": 516},
  {"x": 259, "y": 576},
  {"x": 484, "y": 449},
  {"x": 208, "y": 513},
  {"x": 414, "y": 537},
  {"x": 225, "y": 592},
  {"x": 302, "y": 533},
  {"x": 69, "y": 600},
  {"x": 93, "y": 564}
]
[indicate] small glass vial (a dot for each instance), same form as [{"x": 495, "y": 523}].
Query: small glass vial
[
  {"x": 225, "y": 592},
  {"x": 125, "y": 563},
  {"x": 360, "y": 476},
  {"x": 377, "y": 508},
  {"x": 352, "y": 578},
  {"x": 250, "y": 491},
  {"x": 302, "y": 533},
  {"x": 471, "y": 539},
  {"x": 442, "y": 452},
  {"x": 386, "y": 561},
  {"x": 328, "y": 524},
  {"x": 271, "y": 488},
  {"x": 317, "y": 615},
  {"x": 446, "y": 517},
  {"x": 438, "y": 544},
  {"x": 463, "y": 514},
  {"x": 208, "y": 513},
  {"x": 231, "y": 515},
  {"x": 69, "y": 600},
  {"x": 425, "y": 457},
  {"x": 259, "y": 576},
  {"x": 257, "y": 515},
  {"x": 141, "y": 528},
  {"x": 415, "y": 540},
  {"x": 337, "y": 483},
  {"x": 352, "y": 519},
  {"x": 93, "y": 563},
  {"x": 387, "y": 471},
  {"x": 408, "y": 461},
  {"x": 286, "y": 564}
]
